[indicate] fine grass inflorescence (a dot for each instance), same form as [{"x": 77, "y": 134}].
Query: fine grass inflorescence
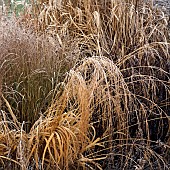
[{"x": 85, "y": 85}]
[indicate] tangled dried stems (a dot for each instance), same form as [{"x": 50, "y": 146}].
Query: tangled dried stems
[{"x": 110, "y": 112}]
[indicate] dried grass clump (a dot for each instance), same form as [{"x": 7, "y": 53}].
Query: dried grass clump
[
  {"x": 99, "y": 84},
  {"x": 96, "y": 90},
  {"x": 110, "y": 112},
  {"x": 112, "y": 28}
]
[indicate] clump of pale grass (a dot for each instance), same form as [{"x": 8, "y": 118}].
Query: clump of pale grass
[{"x": 113, "y": 28}]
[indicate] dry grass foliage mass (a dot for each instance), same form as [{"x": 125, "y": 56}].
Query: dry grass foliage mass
[{"x": 85, "y": 85}]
